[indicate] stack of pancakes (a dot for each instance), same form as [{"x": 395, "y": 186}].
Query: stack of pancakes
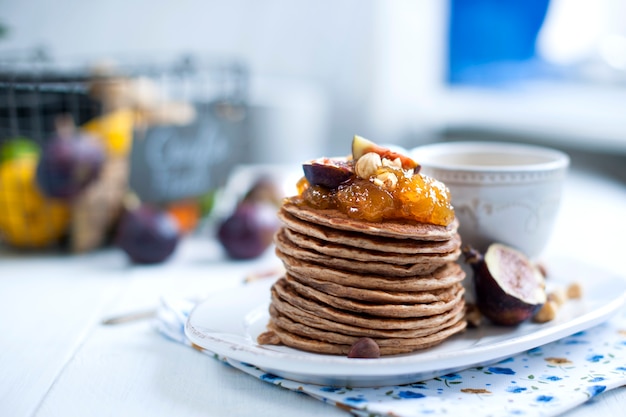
[{"x": 395, "y": 282}]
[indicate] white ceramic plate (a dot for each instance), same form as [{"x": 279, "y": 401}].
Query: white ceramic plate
[{"x": 229, "y": 322}]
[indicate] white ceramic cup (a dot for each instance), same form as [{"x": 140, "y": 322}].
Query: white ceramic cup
[{"x": 501, "y": 192}]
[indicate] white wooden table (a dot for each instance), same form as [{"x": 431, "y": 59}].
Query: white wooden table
[{"x": 57, "y": 359}]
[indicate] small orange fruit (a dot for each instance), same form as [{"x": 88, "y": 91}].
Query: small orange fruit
[{"x": 187, "y": 214}]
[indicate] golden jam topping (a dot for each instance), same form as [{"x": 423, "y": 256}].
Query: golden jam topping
[
  {"x": 416, "y": 197},
  {"x": 375, "y": 184}
]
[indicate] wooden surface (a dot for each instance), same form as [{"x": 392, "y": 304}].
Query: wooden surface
[{"x": 57, "y": 359}]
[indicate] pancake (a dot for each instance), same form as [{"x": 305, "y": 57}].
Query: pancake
[
  {"x": 368, "y": 242},
  {"x": 377, "y": 296},
  {"x": 283, "y": 293},
  {"x": 301, "y": 329},
  {"x": 442, "y": 277},
  {"x": 319, "y": 346},
  {"x": 314, "y": 320},
  {"x": 400, "y": 229},
  {"x": 424, "y": 265},
  {"x": 358, "y": 254},
  {"x": 378, "y": 309}
]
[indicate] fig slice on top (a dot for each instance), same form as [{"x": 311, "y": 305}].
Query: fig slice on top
[{"x": 328, "y": 172}]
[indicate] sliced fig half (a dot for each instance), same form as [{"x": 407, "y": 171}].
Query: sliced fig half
[
  {"x": 509, "y": 288},
  {"x": 328, "y": 172}
]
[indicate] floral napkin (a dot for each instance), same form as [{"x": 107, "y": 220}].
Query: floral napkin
[{"x": 544, "y": 381}]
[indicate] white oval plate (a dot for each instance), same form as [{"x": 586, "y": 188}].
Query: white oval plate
[{"x": 228, "y": 323}]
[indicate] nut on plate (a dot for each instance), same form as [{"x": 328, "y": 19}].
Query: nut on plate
[
  {"x": 365, "y": 348},
  {"x": 473, "y": 316},
  {"x": 574, "y": 291},
  {"x": 547, "y": 312},
  {"x": 555, "y": 301},
  {"x": 558, "y": 296}
]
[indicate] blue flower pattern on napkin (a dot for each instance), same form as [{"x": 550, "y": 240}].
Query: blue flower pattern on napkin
[{"x": 544, "y": 381}]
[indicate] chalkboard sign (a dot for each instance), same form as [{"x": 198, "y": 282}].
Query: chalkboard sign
[{"x": 170, "y": 162}]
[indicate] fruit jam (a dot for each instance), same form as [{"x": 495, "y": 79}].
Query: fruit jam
[{"x": 416, "y": 197}]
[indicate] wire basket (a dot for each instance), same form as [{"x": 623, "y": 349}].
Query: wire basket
[{"x": 170, "y": 133}]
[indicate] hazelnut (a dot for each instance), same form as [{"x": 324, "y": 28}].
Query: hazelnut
[
  {"x": 365, "y": 348},
  {"x": 547, "y": 312},
  {"x": 473, "y": 316},
  {"x": 367, "y": 165},
  {"x": 574, "y": 291},
  {"x": 558, "y": 296},
  {"x": 387, "y": 180},
  {"x": 395, "y": 163}
]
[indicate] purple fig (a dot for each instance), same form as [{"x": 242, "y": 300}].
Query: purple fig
[
  {"x": 69, "y": 162},
  {"x": 327, "y": 172},
  {"x": 509, "y": 288},
  {"x": 147, "y": 234},
  {"x": 249, "y": 230},
  {"x": 264, "y": 190}
]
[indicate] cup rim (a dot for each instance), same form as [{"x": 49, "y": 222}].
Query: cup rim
[{"x": 555, "y": 159}]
